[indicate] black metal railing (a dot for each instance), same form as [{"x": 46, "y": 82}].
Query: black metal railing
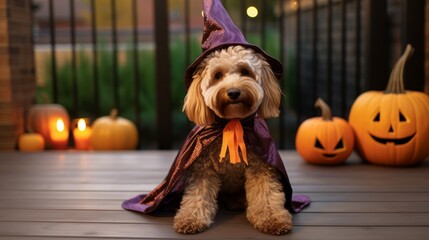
[{"x": 333, "y": 49}]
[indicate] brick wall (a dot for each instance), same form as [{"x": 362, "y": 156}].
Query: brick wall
[{"x": 17, "y": 82}]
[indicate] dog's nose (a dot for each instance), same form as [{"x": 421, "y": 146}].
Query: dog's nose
[{"x": 233, "y": 93}]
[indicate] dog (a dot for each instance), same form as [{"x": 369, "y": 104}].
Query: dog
[{"x": 232, "y": 83}]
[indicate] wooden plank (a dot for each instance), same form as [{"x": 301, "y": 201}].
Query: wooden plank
[
  {"x": 143, "y": 231},
  {"x": 145, "y": 187},
  {"x": 137, "y": 177},
  {"x": 65, "y": 204},
  {"x": 81, "y": 216},
  {"x": 50, "y": 238},
  {"x": 301, "y": 219},
  {"x": 367, "y": 197},
  {"x": 223, "y": 231},
  {"x": 315, "y": 196},
  {"x": 134, "y": 166},
  {"x": 163, "y": 158},
  {"x": 138, "y": 183},
  {"x": 315, "y": 207},
  {"x": 147, "y": 162},
  {"x": 69, "y": 195},
  {"x": 362, "y": 219}
]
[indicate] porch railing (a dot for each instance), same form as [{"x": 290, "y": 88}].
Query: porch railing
[{"x": 333, "y": 49}]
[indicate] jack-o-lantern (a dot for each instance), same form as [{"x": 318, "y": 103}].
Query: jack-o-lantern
[
  {"x": 324, "y": 140},
  {"x": 391, "y": 127}
]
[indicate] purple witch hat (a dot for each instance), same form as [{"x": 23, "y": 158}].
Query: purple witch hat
[{"x": 220, "y": 32}]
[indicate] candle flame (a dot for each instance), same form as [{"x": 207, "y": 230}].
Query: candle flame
[
  {"x": 60, "y": 125},
  {"x": 81, "y": 125}
]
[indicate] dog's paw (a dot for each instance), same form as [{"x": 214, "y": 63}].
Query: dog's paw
[
  {"x": 278, "y": 223},
  {"x": 189, "y": 225}
]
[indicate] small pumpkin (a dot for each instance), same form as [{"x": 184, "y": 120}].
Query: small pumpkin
[
  {"x": 31, "y": 142},
  {"x": 113, "y": 133},
  {"x": 42, "y": 119},
  {"x": 391, "y": 127},
  {"x": 324, "y": 140}
]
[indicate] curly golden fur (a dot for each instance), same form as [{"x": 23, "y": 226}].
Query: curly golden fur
[
  {"x": 232, "y": 83},
  {"x": 232, "y": 68}
]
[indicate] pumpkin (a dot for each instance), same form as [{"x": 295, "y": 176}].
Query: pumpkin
[
  {"x": 324, "y": 140},
  {"x": 391, "y": 127},
  {"x": 113, "y": 133},
  {"x": 42, "y": 119},
  {"x": 31, "y": 142}
]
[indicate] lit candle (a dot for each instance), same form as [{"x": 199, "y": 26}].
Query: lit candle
[
  {"x": 59, "y": 134},
  {"x": 82, "y": 135}
]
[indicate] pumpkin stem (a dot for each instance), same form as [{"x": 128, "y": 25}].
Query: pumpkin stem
[
  {"x": 396, "y": 80},
  {"x": 326, "y": 110},
  {"x": 114, "y": 113}
]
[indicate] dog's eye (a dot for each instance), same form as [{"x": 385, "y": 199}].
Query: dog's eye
[
  {"x": 218, "y": 75},
  {"x": 244, "y": 72}
]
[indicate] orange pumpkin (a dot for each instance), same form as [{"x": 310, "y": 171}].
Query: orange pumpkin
[
  {"x": 113, "y": 133},
  {"x": 391, "y": 127},
  {"x": 324, "y": 140},
  {"x": 42, "y": 119},
  {"x": 31, "y": 142}
]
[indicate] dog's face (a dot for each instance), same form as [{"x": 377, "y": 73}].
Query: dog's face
[{"x": 232, "y": 83}]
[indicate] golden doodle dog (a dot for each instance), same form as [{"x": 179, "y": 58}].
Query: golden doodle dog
[
  {"x": 229, "y": 158},
  {"x": 232, "y": 83}
]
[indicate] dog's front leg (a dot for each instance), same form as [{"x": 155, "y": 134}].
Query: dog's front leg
[
  {"x": 265, "y": 199},
  {"x": 199, "y": 205}
]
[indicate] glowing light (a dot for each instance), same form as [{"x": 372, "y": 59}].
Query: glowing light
[
  {"x": 60, "y": 125},
  {"x": 252, "y": 11},
  {"x": 81, "y": 124}
]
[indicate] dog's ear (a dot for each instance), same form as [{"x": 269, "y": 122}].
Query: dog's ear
[
  {"x": 269, "y": 107},
  {"x": 194, "y": 106}
]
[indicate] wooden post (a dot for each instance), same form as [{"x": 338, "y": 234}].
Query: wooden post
[
  {"x": 376, "y": 54},
  {"x": 17, "y": 80},
  {"x": 427, "y": 48},
  {"x": 413, "y": 21},
  {"x": 164, "y": 122}
]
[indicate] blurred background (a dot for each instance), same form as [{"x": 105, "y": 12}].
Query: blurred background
[{"x": 95, "y": 55}]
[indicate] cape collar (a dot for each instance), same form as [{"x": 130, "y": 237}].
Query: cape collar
[{"x": 247, "y": 122}]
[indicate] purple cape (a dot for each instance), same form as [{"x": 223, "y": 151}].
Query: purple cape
[{"x": 167, "y": 196}]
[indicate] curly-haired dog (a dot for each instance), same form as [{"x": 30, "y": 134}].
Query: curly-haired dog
[
  {"x": 229, "y": 157},
  {"x": 232, "y": 83}
]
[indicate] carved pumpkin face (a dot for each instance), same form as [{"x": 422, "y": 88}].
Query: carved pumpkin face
[
  {"x": 324, "y": 140},
  {"x": 393, "y": 129},
  {"x": 392, "y": 124},
  {"x": 330, "y": 152}
]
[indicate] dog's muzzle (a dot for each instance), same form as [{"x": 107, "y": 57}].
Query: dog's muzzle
[{"x": 233, "y": 93}]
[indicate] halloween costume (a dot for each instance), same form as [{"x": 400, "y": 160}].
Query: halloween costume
[
  {"x": 168, "y": 194},
  {"x": 219, "y": 32}
]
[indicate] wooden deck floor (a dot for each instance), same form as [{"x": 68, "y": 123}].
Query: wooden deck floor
[{"x": 69, "y": 195}]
